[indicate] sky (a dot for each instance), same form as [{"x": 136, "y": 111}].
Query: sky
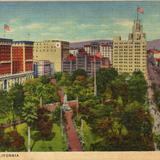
[{"x": 76, "y": 21}]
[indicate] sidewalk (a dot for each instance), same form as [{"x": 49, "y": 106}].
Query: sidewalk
[{"x": 73, "y": 139}]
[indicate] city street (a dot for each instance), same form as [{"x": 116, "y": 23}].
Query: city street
[
  {"x": 156, "y": 116},
  {"x": 153, "y": 77}
]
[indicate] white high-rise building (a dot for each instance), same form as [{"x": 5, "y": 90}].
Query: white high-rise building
[{"x": 130, "y": 55}]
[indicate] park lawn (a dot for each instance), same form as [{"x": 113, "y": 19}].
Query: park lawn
[
  {"x": 57, "y": 143},
  {"x": 88, "y": 137},
  {"x": 6, "y": 119}
]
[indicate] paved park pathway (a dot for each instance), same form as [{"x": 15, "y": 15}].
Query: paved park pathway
[{"x": 72, "y": 136}]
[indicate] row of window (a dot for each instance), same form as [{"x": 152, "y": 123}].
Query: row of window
[{"x": 45, "y": 50}]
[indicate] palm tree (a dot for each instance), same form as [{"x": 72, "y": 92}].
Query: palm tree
[
  {"x": 16, "y": 94},
  {"x": 40, "y": 90},
  {"x": 29, "y": 114},
  {"x": 5, "y": 104}
]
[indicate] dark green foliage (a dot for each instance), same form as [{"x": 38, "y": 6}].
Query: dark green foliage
[
  {"x": 157, "y": 98},
  {"x": 104, "y": 78},
  {"x": 56, "y": 115},
  {"x": 16, "y": 94},
  {"x": 45, "y": 79},
  {"x": 5, "y": 103},
  {"x": 14, "y": 141},
  {"x": 44, "y": 124},
  {"x": 137, "y": 87},
  {"x": 78, "y": 72},
  {"x": 120, "y": 119},
  {"x": 2, "y": 141},
  {"x": 58, "y": 76}
]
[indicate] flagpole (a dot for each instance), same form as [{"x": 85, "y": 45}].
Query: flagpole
[
  {"x": 4, "y": 32},
  {"x": 137, "y": 12},
  {"x": 28, "y": 36},
  {"x": 77, "y": 106},
  {"x": 95, "y": 85}
]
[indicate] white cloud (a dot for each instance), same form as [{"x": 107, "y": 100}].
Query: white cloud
[
  {"x": 34, "y": 26},
  {"x": 124, "y": 22},
  {"x": 93, "y": 26},
  {"x": 13, "y": 20}
]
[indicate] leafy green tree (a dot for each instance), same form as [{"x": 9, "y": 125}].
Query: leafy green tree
[
  {"x": 44, "y": 79},
  {"x": 14, "y": 141},
  {"x": 29, "y": 114},
  {"x": 65, "y": 80},
  {"x": 56, "y": 115},
  {"x": 2, "y": 140},
  {"x": 119, "y": 87},
  {"x": 77, "y": 73},
  {"x": 157, "y": 97},
  {"x": 104, "y": 78},
  {"x": 44, "y": 123},
  {"x": 50, "y": 94},
  {"x": 58, "y": 76},
  {"x": 157, "y": 140},
  {"x": 16, "y": 94},
  {"x": 75, "y": 90},
  {"x": 44, "y": 93},
  {"x": 137, "y": 87},
  {"x": 40, "y": 91},
  {"x": 5, "y": 104}
]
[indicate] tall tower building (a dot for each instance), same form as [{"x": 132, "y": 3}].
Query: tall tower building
[{"x": 131, "y": 55}]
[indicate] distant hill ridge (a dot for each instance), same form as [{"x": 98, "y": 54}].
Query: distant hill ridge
[
  {"x": 82, "y": 43},
  {"x": 154, "y": 44}
]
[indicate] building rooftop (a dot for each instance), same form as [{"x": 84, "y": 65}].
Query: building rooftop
[
  {"x": 51, "y": 41},
  {"x": 5, "y": 40},
  {"x": 154, "y": 51},
  {"x": 24, "y": 42}
]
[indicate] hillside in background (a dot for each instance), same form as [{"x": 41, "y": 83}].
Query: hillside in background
[
  {"x": 154, "y": 44},
  {"x": 82, "y": 43}
]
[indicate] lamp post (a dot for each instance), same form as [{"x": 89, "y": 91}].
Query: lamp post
[
  {"x": 61, "y": 119},
  {"x": 77, "y": 106},
  {"x": 97, "y": 55},
  {"x": 71, "y": 58},
  {"x": 95, "y": 79}
]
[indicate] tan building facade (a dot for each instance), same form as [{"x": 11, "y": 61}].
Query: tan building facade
[
  {"x": 51, "y": 50},
  {"x": 106, "y": 51},
  {"x": 131, "y": 55}
]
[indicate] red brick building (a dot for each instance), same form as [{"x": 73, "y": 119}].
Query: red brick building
[
  {"x": 5, "y": 56},
  {"x": 16, "y": 62},
  {"x": 84, "y": 61},
  {"x": 22, "y": 56}
]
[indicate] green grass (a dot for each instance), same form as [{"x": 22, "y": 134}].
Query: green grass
[
  {"x": 6, "y": 119},
  {"x": 57, "y": 143},
  {"x": 88, "y": 136}
]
